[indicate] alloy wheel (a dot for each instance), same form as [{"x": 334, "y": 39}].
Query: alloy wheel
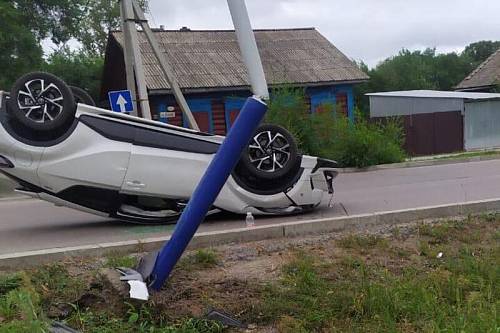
[
  {"x": 269, "y": 151},
  {"x": 40, "y": 102}
]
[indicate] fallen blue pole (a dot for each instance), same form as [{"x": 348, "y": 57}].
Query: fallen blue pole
[{"x": 208, "y": 189}]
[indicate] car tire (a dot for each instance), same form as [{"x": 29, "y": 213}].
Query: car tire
[
  {"x": 41, "y": 102},
  {"x": 272, "y": 152},
  {"x": 81, "y": 96}
]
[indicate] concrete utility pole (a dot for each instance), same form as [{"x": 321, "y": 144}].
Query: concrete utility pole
[
  {"x": 129, "y": 61},
  {"x": 248, "y": 48},
  {"x": 132, "y": 14},
  {"x": 133, "y": 58}
]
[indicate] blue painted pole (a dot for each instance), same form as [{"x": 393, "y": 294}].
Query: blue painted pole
[{"x": 209, "y": 188}]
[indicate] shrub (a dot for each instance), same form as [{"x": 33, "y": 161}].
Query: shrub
[{"x": 332, "y": 135}]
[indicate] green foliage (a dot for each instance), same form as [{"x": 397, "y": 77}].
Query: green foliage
[
  {"x": 362, "y": 242},
  {"x": 77, "y": 68},
  {"x": 363, "y": 144},
  {"x": 9, "y": 282},
  {"x": 117, "y": 260},
  {"x": 288, "y": 108},
  {"x": 24, "y": 296},
  {"x": 422, "y": 70},
  {"x": 139, "y": 321},
  {"x": 99, "y": 18},
  {"x": 20, "y": 50},
  {"x": 201, "y": 259},
  {"x": 480, "y": 51},
  {"x": 331, "y": 135},
  {"x": 20, "y": 307},
  {"x": 55, "y": 19},
  {"x": 56, "y": 284},
  {"x": 461, "y": 295},
  {"x": 204, "y": 257}
]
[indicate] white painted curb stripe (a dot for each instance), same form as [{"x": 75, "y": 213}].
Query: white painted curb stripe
[{"x": 241, "y": 235}]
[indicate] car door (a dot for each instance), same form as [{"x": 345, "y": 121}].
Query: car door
[
  {"x": 91, "y": 157},
  {"x": 166, "y": 164}
]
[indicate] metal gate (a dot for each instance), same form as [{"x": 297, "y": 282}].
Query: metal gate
[
  {"x": 434, "y": 133},
  {"x": 482, "y": 124}
]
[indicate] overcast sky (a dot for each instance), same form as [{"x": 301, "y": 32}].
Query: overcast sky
[{"x": 368, "y": 30}]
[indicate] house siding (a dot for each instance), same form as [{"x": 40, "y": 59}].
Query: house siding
[
  {"x": 219, "y": 116},
  {"x": 331, "y": 95},
  {"x": 222, "y": 108}
]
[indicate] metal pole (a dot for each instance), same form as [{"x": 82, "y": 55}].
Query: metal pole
[
  {"x": 223, "y": 162},
  {"x": 248, "y": 47},
  {"x": 208, "y": 189},
  {"x": 165, "y": 67},
  {"x": 135, "y": 53},
  {"x": 129, "y": 60}
]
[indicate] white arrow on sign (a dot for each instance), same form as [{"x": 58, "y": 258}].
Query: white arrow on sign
[{"x": 121, "y": 103}]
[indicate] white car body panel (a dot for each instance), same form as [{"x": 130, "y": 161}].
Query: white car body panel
[
  {"x": 25, "y": 156},
  {"x": 152, "y": 171},
  {"x": 84, "y": 158}
]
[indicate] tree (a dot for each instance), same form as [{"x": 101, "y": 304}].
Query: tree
[
  {"x": 450, "y": 69},
  {"x": 20, "y": 50},
  {"x": 77, "y": 68},
  {"x": 25, "y": 24},
  {"x": 55, "y": 19},
  {"x": 480, "y": 51},
  {"x": 99, "y": 18},
  {"x": 415, "y": 70}
]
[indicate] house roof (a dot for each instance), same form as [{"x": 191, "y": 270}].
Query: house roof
[
  {"x": 436, "y": 94},
  {"x": 486, "y": 75},
  {"x": 211, "y": 59}
]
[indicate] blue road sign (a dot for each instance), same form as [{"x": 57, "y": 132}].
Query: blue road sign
[{"x": 121, "y": 101}]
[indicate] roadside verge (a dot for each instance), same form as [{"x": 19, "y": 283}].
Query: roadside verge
[
  {"x": 423, "y": 163},
  {"x": 242, "y": 235}
]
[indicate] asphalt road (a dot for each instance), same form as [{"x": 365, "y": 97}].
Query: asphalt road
[{"x": 33, "y": 225}]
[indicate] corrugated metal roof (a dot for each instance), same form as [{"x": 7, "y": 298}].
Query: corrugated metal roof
[
  {"x": 211, "y": 59},
  {"x": 436, "y": 94},
  {"x": 487, "y": 74}
]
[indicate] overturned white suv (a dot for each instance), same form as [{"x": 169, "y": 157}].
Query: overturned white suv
[{"x": 60, "y": 148}]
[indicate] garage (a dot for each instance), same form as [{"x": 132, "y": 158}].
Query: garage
[{"x": 438, "y": 122}]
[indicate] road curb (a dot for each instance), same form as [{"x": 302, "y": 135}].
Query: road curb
[
  {"x": 243, "y": 235},
  {"x": 421, "y": 163}
]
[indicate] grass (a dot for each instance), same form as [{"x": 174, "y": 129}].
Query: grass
[
  {"x": 28, "y": 298},
  {"x": 139, "y": 320},
  {"x": 20, "y": 306},
  {"x": 117, "y": 260},
  {"x": 459, "y": 293},
  {"x": 200, "y": 259},
  {"x": 363, "y": 242}
]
